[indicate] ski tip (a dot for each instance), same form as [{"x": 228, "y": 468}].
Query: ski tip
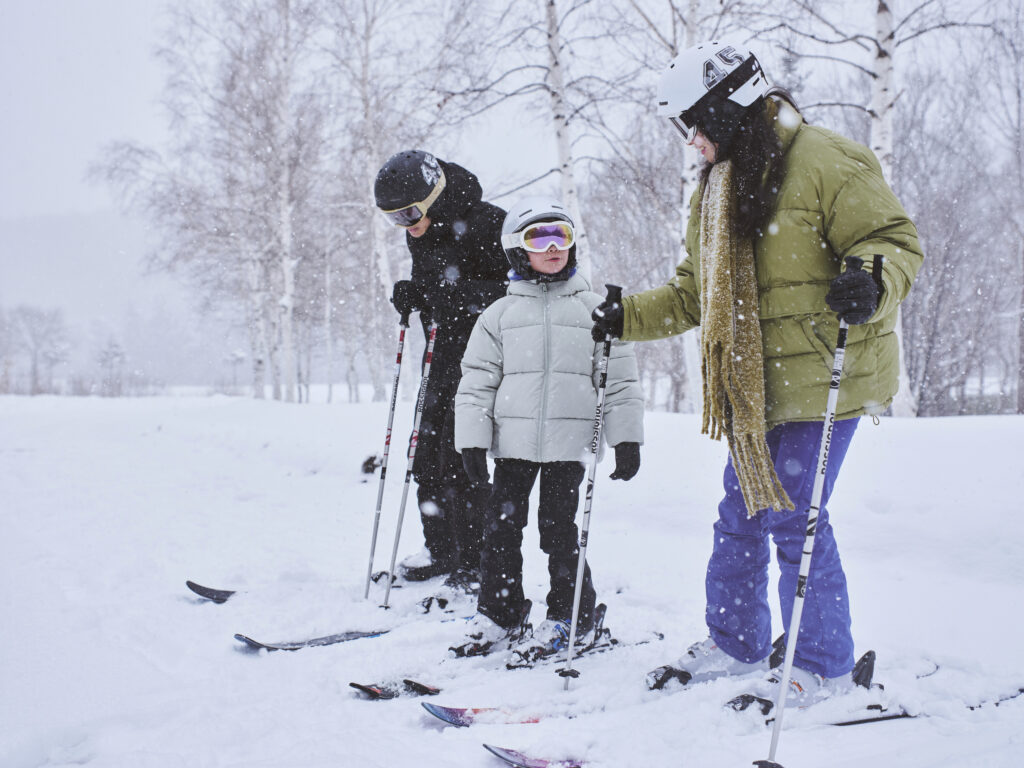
[
  {"x": 214, "y": 595},
  {"x": 375, "y": 692},
  {"x": 249, "y": 643},
  {"x": 520, "y": 760},
  {"x": 446, "y": 714},
  {"x": 422, "y": 688}
]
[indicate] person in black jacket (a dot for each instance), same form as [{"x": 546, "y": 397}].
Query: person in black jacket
[{"x": 458, "y": 269}]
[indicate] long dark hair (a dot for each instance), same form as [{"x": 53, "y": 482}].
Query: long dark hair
[{"x": 756, "y": 152}]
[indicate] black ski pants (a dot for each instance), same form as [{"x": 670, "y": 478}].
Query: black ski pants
[
  {"x": 501, "y": 556},
  {"x": 451, "y": 512},
  {"x": 451, "y": 507}
]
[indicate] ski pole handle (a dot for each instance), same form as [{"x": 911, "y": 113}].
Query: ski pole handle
[
  {"x": 614, "y": 293},
  {"x": 614, "y": 296},
  {"x": 854, "y": 262}
]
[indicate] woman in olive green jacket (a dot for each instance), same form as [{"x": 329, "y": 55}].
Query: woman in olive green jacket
[{"x": 781, "y": 208}]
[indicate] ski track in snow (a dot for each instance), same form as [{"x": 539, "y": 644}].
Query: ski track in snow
[{"x": 110, "y": 505}]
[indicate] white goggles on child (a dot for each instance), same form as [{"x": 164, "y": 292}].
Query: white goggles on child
[{"x": 540, "y": 236}]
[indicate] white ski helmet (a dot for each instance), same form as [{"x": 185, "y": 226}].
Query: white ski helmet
[
  {"x": 711, "y": 85},
  {"x": 521, "y": 215}
]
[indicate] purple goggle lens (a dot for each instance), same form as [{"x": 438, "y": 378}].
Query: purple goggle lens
[{"x": 539, "y": 237}]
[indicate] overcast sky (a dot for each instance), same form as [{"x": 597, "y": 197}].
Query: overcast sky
[
  {"x": 74, "y": 74},
  {"x": 78, "y": 74}
]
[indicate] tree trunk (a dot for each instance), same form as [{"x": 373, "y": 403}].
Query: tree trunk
[
  {"x": 375, "y": 335},
  {"x": 559, "y": 113},
  {"x": 328, "y": 330},
  {"x": 883, "y": 97},
  {"x": 883, "y": 103},
  {"x": 257, "y": 329},
  {"x": 289, "y": 360},
  {"x": 287, "y": 261},
  {"x": 34, "y": 386},
  {"x": 1020, "y": 335}
]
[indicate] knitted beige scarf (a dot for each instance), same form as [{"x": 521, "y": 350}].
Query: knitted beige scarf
[{"x": 732, "y": 363}]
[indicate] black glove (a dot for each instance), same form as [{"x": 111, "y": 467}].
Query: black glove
[
  {"x": 608, "y": 318},
  {"x": 407, "y": 297},
  {"x": 474, "y": 461},
  {"x": 853, "y": 295},
  {"x": 627, "y": 461}
]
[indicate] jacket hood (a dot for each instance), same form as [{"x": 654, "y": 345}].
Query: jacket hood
[
  {"x": 461, "y": 192},
  {"x": 785, "y": 118}
]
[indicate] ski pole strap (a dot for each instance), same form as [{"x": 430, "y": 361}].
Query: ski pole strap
[{"x": 876, "y": 272}]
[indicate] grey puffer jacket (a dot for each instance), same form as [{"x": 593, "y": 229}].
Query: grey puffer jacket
[{"x": 530, "y": 376}]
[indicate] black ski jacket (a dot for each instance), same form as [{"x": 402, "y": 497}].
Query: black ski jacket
[{"x": 461, "y": 268}]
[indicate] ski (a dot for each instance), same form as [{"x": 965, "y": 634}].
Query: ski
[
  {"x": 390, "y": 691},
  {"x": 209, "y": 593},
  {"x": 863, "y": 676},
  {"x": 342, "y": 637},
  {"x": 518, "y": 759},
  {"x": 877, "y": 714},
  {"x": 463, "y": 717}
]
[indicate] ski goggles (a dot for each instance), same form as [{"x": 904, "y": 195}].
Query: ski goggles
[
  {"x": 540, "y": 236},
  {"x": 410, "y": 215}
]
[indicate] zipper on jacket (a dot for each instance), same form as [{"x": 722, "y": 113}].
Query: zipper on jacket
[{"x": 544, "y": 374}]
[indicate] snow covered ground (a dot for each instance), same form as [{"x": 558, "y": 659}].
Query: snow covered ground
[{"x": 109, "y": 505}]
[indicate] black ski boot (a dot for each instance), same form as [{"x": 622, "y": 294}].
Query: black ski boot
[{"x": 423, "y": 566}]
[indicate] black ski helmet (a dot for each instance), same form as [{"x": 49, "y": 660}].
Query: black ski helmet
[
  {"x": 712, "y": 86},
  {"x": 525, "y": 212},
  {"x": 409, "y": 178}
]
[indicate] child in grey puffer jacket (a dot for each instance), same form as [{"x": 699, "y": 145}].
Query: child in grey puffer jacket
[{"x": 528, "y": 394}]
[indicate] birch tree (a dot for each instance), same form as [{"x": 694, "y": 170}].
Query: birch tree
[
  {"x": 247, "y": 115},
  {"x": 43, "y": 336},
  {"x": 1002, "y": 82},
  {"x": 949, "y": 324},
  {"x": 551, "y": 52},
  {"x": 6, "y": 353},
  {"x": 384, "y": 88},
  {"x": 829, "y": 34}
]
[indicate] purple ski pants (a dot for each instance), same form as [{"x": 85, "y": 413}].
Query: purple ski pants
[{"x": 737, "y": 611}]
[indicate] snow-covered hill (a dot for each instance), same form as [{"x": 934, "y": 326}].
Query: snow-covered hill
[{"x": 109, "y": 505}]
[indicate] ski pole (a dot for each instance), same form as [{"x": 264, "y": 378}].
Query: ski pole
[
  {"x": 413, "y": 439},
  {"x": 403, "y": 326},
  {"x": 615, "y": 296},
  {"x": 817, "y": 492}
]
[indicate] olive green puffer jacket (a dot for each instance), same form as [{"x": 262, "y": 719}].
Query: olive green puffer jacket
[{"x": 833, "y": 203}]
